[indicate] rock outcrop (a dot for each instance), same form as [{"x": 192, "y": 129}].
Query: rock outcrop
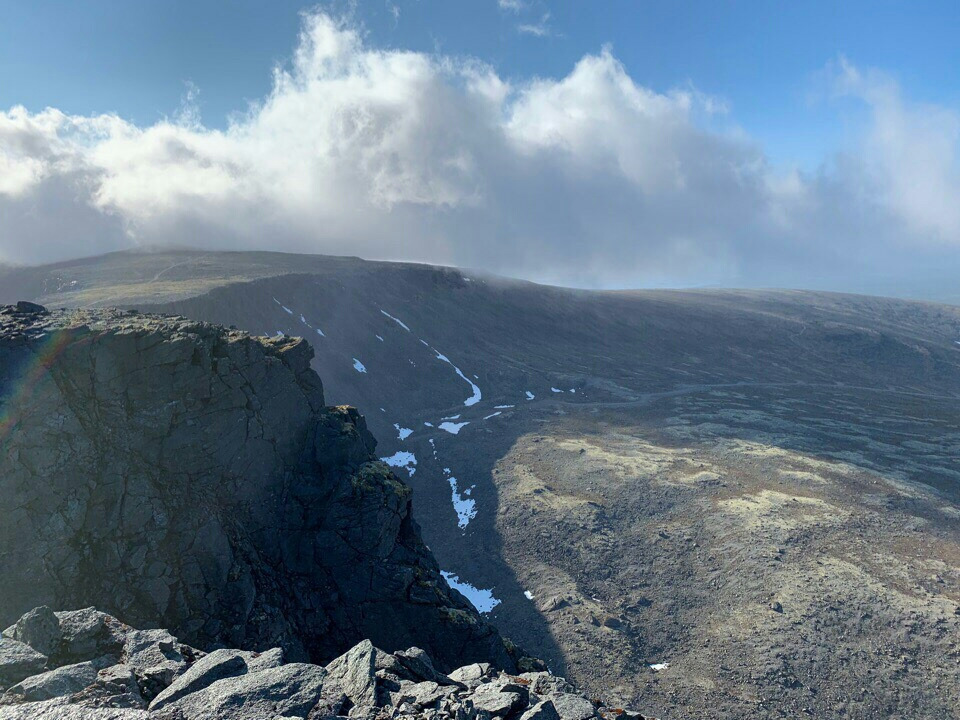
[
  {"x": 125, "y": 674},
  {"x": 183, "y": 475}
]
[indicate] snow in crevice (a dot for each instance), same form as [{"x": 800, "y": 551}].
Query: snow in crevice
[
  {"x": 502, "y": 407},
  {"x": 378, "y": 338},
  {"x": 553, "y": 389},
  {"x": 402, "y": 459},
  {"x": 452, "y": 428},
  {"x": 493, "y": 415},
  {"x": 398, "y": 321},
  {"x": 320, "y": 332},
  {"x": 358, "y": 366},
  {"x": 528, "y": 595},
  {"x": 530, "y": 395},
  {"x": 402, "y": 432},
  {"x": 427, "y": 424},
  {"x": 451, "y": 417},
  {"x": 482, "y": 600}
]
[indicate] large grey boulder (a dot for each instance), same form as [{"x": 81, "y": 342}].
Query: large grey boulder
[
  {"x": 573, "y": 707},
  {"x": 18, "y": 661},
  {"x": 177, "y": 474},
  {"x": 217, "y": 665},
  {"x": 57, "y": 710},
  {"x": 289, "y": 691},
  {"x": 39, "y": 628},
  {"x": 60, "y": 682},
  {"x": 543, "y": 710}
]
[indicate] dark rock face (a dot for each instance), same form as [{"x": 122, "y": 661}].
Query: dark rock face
[
  {"x": 179, "y": 474},
  {"x": 365, "y": 683}
]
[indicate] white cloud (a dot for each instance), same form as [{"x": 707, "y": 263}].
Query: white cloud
[
  {"x": 538, "y": 29},
  {"x": 589, "y": 179},
  {"x": 910, "y": 152},
  {"x": 514, "y": 6}
]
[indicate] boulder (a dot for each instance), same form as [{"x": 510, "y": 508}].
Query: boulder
[
  {"x": 40, "y": 629},
  {"x": 217, "y": 665},
  {"x": 288, "y": 691},
  {"x": 543, "y": 710},
  {"x": 572, "y": 707},
  {"x": 60, "y": 682},
  {"x": 18, "y": 661}
]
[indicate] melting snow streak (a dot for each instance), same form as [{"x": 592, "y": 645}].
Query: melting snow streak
[
  {"x": 473, "y": 399},
  {"x": 398, "y": 321}
]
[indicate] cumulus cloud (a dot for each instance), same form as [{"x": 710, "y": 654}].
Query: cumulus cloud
[{"x": 590, "y": 179}]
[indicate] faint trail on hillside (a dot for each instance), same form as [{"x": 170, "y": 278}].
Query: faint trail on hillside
[
  {"x": 175, "y": 265},
  {"x": 104, "y": 302}
]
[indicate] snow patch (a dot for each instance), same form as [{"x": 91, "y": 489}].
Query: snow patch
[
  {"x": 657, "y": 667},
  {"x": 528, "y": 595},
  {"x": 452, "y": 428},
  {"x": 530, "y": 395},
  {"x": 427, "y": 424},
  {"x": 502, "y": 407},
  {"x": 451, "y": 417},
  {"x": 465, "y": 508},
  {"x": 402, "y": 432},
  {"x": 358, "y": 366},
  {"x": 493, "y": 415},
  {"x": 320, "y": 332},
  {"x": 402, "y": 459},
  {"x": 482, "y": 600},
  {"x": 379, "y": 338},
  {"x": 553, "y": 389}
]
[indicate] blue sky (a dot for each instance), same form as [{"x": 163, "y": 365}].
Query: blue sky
[
  {"x": 763, "y": 58},
  {"x": 597, "y": 144}
]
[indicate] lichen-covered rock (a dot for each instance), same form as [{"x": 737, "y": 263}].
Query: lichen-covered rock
[{"x": 178, "y": 474}]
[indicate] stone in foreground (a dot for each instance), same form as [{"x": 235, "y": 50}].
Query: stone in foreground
[{"x": 132, "y": 682}]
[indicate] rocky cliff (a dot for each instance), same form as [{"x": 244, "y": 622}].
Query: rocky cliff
[
  {"x": 180, "y": 474},
  {"x": 87, "y": 665}
]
